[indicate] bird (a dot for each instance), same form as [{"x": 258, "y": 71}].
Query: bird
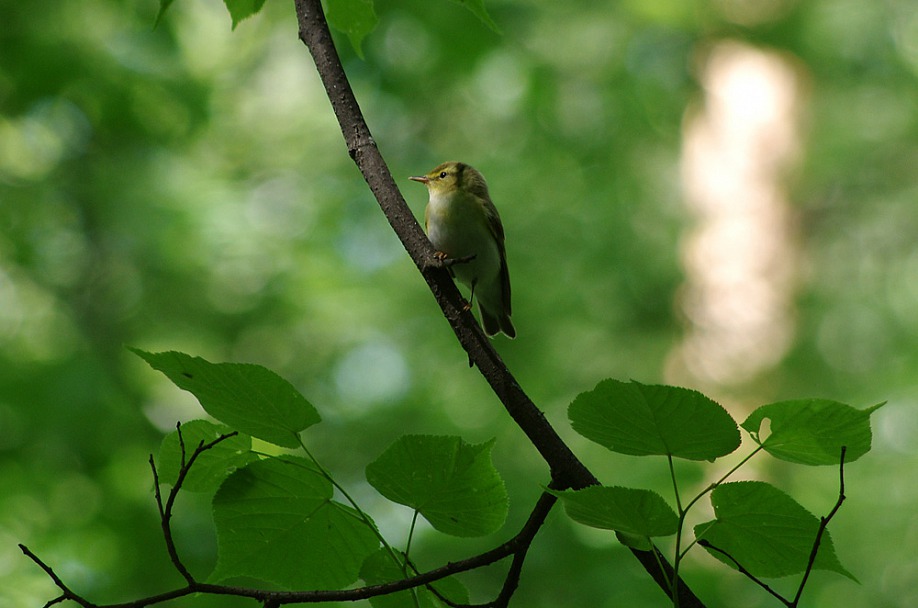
[{"x": 465, "y": 229}]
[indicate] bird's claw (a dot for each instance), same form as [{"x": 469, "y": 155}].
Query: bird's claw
[{"x": 445, "y": 261}]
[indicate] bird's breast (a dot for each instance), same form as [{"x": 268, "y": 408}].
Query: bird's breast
[{"x": 457, "y": 226}]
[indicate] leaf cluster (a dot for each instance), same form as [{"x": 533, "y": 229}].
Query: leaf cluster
[
  {"x": 758, "y": 529},
  {"x": 284, "y": 523}
]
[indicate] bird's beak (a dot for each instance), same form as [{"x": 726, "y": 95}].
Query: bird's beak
[{"x": 419, "y": 178}]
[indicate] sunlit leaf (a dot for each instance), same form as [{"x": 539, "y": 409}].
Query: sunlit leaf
[
  {"x": 451, "y": 483},
  {"x": 639, "y": 419},
  {"x": 628, "y": 510},
  {"x": 213, "y": 465},
  {"x": 812, "y": 431},
  {"x": 356, "y": 18},
  {"x": 249, "y": 398},
  {"x": 765, "y": 530},
  {"x": 380, "y": 568},
  {"x": 242, "y": 9},
  {"x": 276, "y": 522}
]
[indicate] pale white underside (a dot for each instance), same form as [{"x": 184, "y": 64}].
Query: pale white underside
[{"x": 457, "y": 226}]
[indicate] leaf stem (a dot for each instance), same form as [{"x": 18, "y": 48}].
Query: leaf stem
[
  {"x": 677, "y": 557},
  {"x": 361, "y": 513}
]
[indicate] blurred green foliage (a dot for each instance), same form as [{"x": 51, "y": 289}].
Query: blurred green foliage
[{"x": 187, "y": 188}]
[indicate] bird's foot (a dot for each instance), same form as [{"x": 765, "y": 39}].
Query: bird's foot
[{"x": 448, "y": 262}]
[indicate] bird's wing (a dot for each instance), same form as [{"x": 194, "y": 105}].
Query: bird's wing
[{"x": 497, "y": 231}]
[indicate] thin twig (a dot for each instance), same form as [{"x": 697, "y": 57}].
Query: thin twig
[
  {"x": 742, "y": 570},
  {"x": 823, "y": 524},
  {"x": 166, "y": 511},
  {"x": 519, "y": 543},
  {"x": 66, "y": 593}
]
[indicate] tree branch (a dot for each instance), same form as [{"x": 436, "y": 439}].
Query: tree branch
[{"x": 566, "y": 470}]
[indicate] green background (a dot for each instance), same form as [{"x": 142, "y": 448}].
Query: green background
[{"x": 187, "y": 188}]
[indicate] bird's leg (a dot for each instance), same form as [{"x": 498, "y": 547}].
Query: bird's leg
[{"x": 468, "y": 305}]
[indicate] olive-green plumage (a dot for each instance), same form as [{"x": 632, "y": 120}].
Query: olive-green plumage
[{"x": 462, "y": 221}]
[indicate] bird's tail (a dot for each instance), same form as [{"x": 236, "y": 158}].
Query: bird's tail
[{"x": 494, "y": 324}]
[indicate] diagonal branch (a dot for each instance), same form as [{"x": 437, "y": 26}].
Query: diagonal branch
[
  {"x": 362, "y": 148},
  {"x": 566, "y": 470}
]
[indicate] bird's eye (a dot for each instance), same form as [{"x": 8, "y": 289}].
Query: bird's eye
[{"x": 442, "y": 174}]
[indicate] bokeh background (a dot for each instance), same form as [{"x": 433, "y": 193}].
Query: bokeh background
[{"x": 713, "y": 193}]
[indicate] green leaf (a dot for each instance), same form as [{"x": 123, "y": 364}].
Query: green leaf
[
  {"x": 276, "y": 522},
  {"x": 213, "y": 465},
  {"x": 639, "y": 419},
  {"x": 249, "y": 398},
  {"x": 812, "y": 431},
  {"x": 478, "y": 9},
  {"x": 627, "y": 510},
  {"x": 356, "y": 18},
  {"x": 451, "y": 483},
  {"x": 380, "y": 568},
  {"x": 242, "y": 9},
  {"x": 163, "y": 7},
  {"x": 634, "y": 541},
  {"x": 766, "y": 531}
]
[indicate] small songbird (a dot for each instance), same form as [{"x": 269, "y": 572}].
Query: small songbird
[{"x": 462, "y": 222}]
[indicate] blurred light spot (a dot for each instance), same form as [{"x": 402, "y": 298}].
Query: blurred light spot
[
  {"x": 902, "y": 291},
  {"x": 848, "y": 29},
  {"x": 500, "y": 82},
  {"x": 32, "y": 324},
  {"x": 169, "y": 405},
  {"x": 365, "y": 243},
  {"x": 853, "y": 338},
  {"x": 32, "y": 145},
  {"x": 660, "y": 56},
  {"x": 160, "y": 110},
  {"x": 406, "y": 45},
  {"x": 877, "y": 115},
  {"x": 24, "y": 513},
  {"x": 278, "y": 93},
  {"x": 755, "y": 12},
  {"x": 581, "y": 110},
  {"x": 276, "y": 210},
  {"x": 13, "y": 428},
  {"x": 662, "y": 11},
  {"x": 372, "y": 373},
  {"x": 897, "y": 427},
  {"x": 739, "y": 260},
  {"x": 206, "y": 41},
  {"x": 69, "y": 492},
  {"x": 905, "y": 35},
  {"x": 128, "y": 472},
  {"x": 61, "y": 249}
]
